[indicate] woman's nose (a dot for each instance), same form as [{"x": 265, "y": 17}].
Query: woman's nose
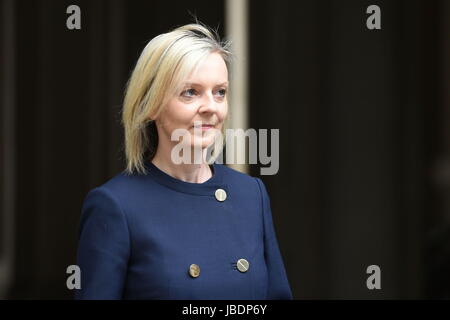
[{"x": 208, "y": 103}]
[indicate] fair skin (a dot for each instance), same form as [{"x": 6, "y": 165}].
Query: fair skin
[{"x": 201, "y": 101}]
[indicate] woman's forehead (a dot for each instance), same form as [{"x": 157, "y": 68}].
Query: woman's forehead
[{"x": 211, "y": 70}]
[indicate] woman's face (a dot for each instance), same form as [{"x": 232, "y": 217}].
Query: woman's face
[{"x": 200, "y": 107}]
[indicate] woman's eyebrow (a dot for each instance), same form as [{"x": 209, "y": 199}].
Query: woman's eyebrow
[{"x": 199, "y": 84}]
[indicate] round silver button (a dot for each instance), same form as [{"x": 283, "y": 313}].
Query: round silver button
[
  {"x": 243, "y": 265},
  {"x": 221, "y": 195}
]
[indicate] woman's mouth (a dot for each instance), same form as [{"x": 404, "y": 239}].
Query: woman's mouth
[{"x": 204, "y": 127}]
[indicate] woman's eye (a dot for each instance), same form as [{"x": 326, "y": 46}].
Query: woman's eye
[
  {"x": 223, "y": 92},
  {"x": 188, "y": 92}
]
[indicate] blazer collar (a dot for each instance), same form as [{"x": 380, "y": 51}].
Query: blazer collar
[{"x": 207, "y": 188}]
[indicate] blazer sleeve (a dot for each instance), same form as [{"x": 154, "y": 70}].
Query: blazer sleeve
[
  {"x": 103, "y": 248},
  {"x": 278, "y": 286}
]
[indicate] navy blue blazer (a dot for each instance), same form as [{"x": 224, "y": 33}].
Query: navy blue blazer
[{"x": 139, "y": 235}]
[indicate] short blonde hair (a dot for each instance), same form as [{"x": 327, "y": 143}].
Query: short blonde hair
[{"x": 164, "y": 63}]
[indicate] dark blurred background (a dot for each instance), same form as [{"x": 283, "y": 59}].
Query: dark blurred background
[{"x": 364, "y": 119}]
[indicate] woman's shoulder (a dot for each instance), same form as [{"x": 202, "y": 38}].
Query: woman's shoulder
[
  {"x": 233, "y": 174},
  {"x": 122, "y": 187},
  {"x": 243, "y": 180},
  {"x": 119, "y": 182}
]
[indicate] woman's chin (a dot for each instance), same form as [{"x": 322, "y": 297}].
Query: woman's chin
[
  {"x": 202, "y": 145},
  {"x": 202, "y": 142}
]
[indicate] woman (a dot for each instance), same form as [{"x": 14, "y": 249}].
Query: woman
[{"x": 172, "y": 228}]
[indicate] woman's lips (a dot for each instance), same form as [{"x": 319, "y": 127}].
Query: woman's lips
[{"x": 204, "y": 127}]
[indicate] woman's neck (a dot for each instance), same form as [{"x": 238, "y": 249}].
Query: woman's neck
[{"x": 194, "y": 173}]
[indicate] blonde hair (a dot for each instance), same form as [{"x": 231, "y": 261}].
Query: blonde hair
[{"x": 164, "y": 63}]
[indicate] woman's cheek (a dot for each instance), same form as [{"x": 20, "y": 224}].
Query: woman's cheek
[{"x": 224, "y": 113}]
